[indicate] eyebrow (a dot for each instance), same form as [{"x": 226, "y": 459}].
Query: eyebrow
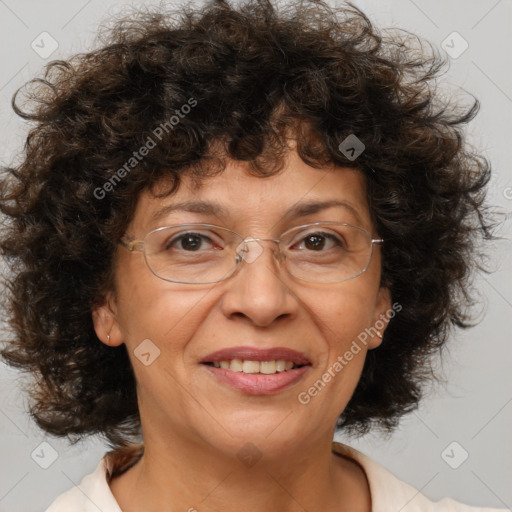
[{"x": 215, "y": 209}]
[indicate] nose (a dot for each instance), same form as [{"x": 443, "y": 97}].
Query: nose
[{"x": 257, "y": 290}]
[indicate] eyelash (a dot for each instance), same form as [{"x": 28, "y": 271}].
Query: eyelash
[{"x": 177, "y": 239}]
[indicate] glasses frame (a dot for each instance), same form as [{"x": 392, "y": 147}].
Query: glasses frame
[{"x": 133, "y": 245}]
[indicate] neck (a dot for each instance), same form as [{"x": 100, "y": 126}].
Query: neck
[{"x": 182, "y": 476}]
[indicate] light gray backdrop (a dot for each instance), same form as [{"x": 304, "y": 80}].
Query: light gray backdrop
[{"x": 458, "y": 443}]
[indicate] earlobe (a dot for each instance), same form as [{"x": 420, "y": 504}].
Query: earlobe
[{"x": 105, "y": 324}]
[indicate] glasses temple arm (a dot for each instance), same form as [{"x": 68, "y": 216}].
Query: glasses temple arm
[{"x": 132, "y": 245}]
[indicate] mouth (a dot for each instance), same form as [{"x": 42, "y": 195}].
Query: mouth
[
  {"x": 252, "y": 367},
  {"x": 257, "y": 371}
]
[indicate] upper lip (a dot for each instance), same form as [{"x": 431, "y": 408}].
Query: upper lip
[{"x": 256, "y": 354}]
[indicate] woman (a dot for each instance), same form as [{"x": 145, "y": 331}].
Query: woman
[{"x": 232, "y": 234}]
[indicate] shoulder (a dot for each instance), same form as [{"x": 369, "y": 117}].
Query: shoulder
[
  {"x": 93, "y": 492},
  {"x": 88, "y": 495},
  {"x": 390, "y": 493}
]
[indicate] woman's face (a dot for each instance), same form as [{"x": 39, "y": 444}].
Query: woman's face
[{"x": 259, "y": 307}]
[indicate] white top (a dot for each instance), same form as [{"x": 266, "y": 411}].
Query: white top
[{"x": 388, "y": 493}]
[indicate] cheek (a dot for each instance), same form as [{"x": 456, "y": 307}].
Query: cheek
[
  {"x": 342, "y": 320},
  {"x": 164, "y": 316},
  {"x": 345, "y": 312},
  {"x": 168, "y": 319},
  {"x": 149, "y": 308}
]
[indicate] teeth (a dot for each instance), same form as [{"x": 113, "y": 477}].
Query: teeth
[
  {"x": 251, "y": 367},
  {"x": 236, "y": 365},
  {"x": 265, "y": 367},
  {"x": 280, "y": 365},
  {"x": 268, "y": 367}
]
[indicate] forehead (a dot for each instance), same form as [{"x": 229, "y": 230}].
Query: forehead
[{"x": 235, "y": 198}]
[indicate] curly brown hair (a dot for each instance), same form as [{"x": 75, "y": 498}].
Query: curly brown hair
[{"x": 258, "y": 75}]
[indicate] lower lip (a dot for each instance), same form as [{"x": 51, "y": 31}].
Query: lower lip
[{"x": 257, "y": 383}]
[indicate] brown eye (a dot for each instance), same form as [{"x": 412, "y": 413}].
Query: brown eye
[
  {"x": 189, "y": 242},
  {"x": 318, "y": 241}
]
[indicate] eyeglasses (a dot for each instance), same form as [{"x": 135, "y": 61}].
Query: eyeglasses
[{"x": 322, "y": 252}]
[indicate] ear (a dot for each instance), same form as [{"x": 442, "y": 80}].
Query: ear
[
  {"x": 381, "y": 316},
  {"x": 104, "y": 318}
]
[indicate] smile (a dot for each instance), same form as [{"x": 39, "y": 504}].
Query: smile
[
  {"x": 253, "y": 381},
  {"x": 248, "y": 366}
]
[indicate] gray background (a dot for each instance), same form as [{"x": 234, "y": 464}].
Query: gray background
[{"x": 474, "y": 410}]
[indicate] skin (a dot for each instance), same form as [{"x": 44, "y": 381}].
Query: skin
[{"x": 193, "y": 426}]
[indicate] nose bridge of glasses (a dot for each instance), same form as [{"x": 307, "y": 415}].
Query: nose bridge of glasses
[{"x": 251, "y": 252}]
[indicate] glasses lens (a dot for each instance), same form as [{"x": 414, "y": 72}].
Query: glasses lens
[
  {"x": 191, "y": 253},
  {"x": 204, "y": 253},
  {"x": 327, "y": 253}
]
